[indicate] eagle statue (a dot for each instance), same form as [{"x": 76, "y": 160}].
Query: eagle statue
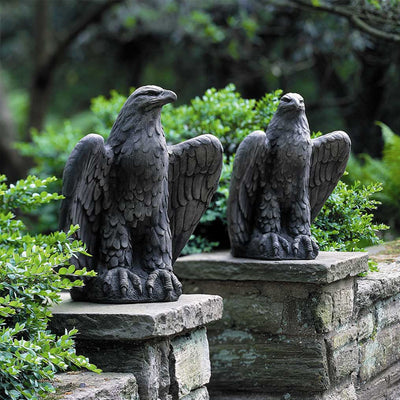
[
  {"x": 281, "y": 179},
  {"x": 136, "y": 201}
]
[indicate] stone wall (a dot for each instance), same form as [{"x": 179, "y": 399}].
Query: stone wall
[
  {"x": 300, "y": 329},
  {"x": 163, "y": 346}
]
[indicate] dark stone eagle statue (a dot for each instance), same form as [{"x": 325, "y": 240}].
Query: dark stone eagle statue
[
  {"x": 281, "y": 179},
  {"x": 137, "y": 201}
]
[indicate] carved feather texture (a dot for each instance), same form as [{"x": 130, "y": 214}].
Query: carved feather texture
[
  {"x": 137, "y": 201},
  {"x": 193, "y": 175},
  {"x": 246, "y": 175},
  {"x": 330, "y": 154},
  {"x": 85, "y": 190},
  {"x": 280, "y": 181}
]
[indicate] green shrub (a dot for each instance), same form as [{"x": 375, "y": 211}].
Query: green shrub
[
  {"x": 387, "y": 171},
  {"x": 29, "y": 354},
  {"x": 225, "y": 114},
  {"x": 345, "y": 222}
]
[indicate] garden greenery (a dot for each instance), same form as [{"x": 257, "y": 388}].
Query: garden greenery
[
  {"x": 385, "y": 170},
  {"x": 30, "y": 354},
  {"x": 345, "y": 223}
]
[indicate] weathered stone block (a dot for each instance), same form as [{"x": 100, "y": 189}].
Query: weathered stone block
[
  {"x": 379, "y": 353},
  {"x": 163, "y": 344},
  {"x": 198, "y": 394},
  {"x": 326, "y": 268},
  {"x": 191, "y": 360},
  {"x": 378, "y": 285},
  {"x": 335, "y": 305},
  {"x": 343, "y": 361},
  {"x": 365, "y": 324},
  {"x": 387, "y": 312},
  {"x": 135, "y": 321},
  {"x": 263, "y": 307},
  {"x": 343, "y": 300},
  {"x": 341, "y": 393},
  {"x": 384, "y": 386},
  {"x": 323, "y": 312},
  {"x": 149, "y": 361},
  {"x": 269, "y": 364},
  {"x": 342, "y": 337},
  {"x": 91, "y": 386}
]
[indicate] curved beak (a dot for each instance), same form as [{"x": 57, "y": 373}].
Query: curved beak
[
  {"x": 167, "y": 96},
  {"x": 300, "y": 104}
]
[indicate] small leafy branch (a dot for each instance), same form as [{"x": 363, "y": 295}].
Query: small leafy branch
[
  {"x": 30, "y": 354},
  {"x": 345, "y": 222}
]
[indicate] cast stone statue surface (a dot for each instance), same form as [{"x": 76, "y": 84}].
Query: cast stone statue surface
[
  {"x": 137, "y": 201},
  {"x": 281, "y": 179}
]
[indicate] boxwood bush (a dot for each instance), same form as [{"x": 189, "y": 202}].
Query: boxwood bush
[
  {"x": 33, "y": 271},
  {"x": 227, "y": 115}
]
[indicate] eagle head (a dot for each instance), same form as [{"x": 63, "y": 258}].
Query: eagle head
[
  {"x": 148, "y": 98},
  {"x": 291, "y": 102},
  {"x": 143, "y": 107}
]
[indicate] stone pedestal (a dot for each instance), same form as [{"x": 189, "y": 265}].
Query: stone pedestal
[
  {"x": 164, "y": 345},
  {"x": 289, "y": 327}
]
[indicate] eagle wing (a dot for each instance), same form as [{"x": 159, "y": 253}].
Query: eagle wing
[
  {"x": 86, "y": 191},
  {"x": 248, "y": 171},
  {"x": 194, "y": 170},
  {"x": 330, "y": 154}
]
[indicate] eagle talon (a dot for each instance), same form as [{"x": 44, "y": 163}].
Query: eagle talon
[
  {"x": 308, "y": 243},
  {"x": 169, "y": 283},
  {"x": 124, "y": 278},
  {"x": 275, "y": 244}
]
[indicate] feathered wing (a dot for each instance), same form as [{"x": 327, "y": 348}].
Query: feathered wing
[
  {"x": 248, "y": 171},
  {"x": 85, "y": 188},
  {"x": 330, "y": 154},
  {"x": 194, "y": 170}
]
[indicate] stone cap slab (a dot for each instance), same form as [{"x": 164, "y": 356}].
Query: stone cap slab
[
  {"x": 135, "y": 321},
  {"x": 378, "y": 285},
  {"x": 91, "y": 386},
  {"x": 326, "y": 268}
]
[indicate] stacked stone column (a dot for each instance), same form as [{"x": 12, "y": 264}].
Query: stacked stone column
[
  {"x": 164, "y": 345},
  {"x": 289, "y": 327}
]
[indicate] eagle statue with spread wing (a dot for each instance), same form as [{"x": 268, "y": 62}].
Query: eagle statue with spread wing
[
  {"x": 281, "y": 179},
  {"x": 137, "y": 201}
]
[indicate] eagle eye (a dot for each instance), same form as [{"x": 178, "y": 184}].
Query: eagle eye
[
  {"x": 152, "y": 93},
  {"x": 286, "y": 99}
]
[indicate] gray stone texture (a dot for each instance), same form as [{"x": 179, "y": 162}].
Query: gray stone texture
[
  {"x": 166, "y": 350},
  {"x": 327, "y": 267},
  {"x": 267, "y": 364},
  {"x": 385, "y": 386},
  {"x": 191, "y": 361},
  {"x": 198, "y": 394},
  {"x": 135, "y": 321},
  {"x": 92, "y": 386},
  {"x": 318, "y": 335},
  {"x": 344, "y": 392},
  {"x": 379, "y": 285}
]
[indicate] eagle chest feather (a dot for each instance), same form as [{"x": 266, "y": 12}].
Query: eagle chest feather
[
  {"x": 291, "y": 154},
  {"x": 142, "y": 171}
]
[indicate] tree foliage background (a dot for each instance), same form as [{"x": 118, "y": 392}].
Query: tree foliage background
[{"x": 343, "y": 56}]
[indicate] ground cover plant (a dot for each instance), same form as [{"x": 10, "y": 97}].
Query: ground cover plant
[
  {"x": 33, "y": 271},
  {"x": 346, "y": 222}
]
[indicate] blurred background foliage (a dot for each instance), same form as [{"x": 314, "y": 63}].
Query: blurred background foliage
[
  {"x": 345, "y": 223},
  {"x": 343, "y": 56}
]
